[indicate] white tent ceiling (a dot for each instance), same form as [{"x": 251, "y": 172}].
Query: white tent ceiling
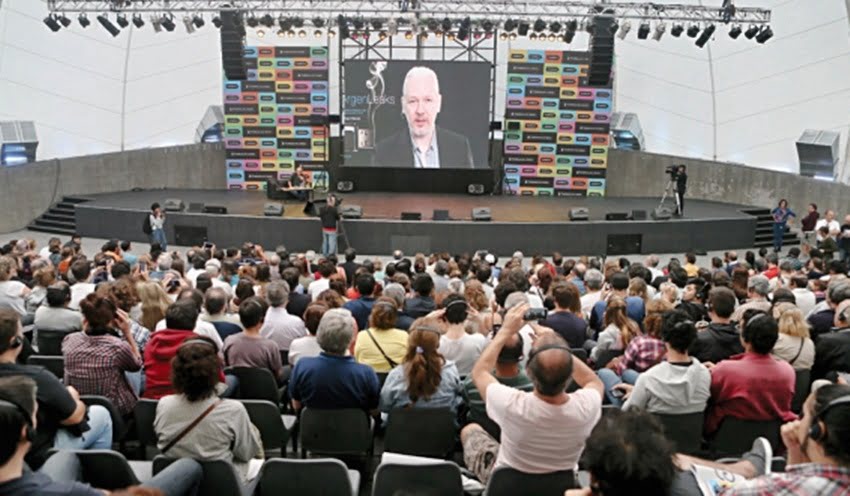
[{"x": 734, "y": 100}]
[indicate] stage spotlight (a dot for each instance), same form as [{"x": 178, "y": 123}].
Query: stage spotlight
[
  {"x": 285, "y": 23},
  {"x": 252, "y": 21},
  {"x": 408, "y": 35},
  {"x": 377, "y": 24},
  {"x": 52, "y": 23},
  {"x": 677, "y": 30},
  {"x": 359, "y": 23},
  {"x": 693, "y": 30},
  {"x": 503, "y": 36},
  {"x": 705, "y": 36},
  {"x": 751, "y": 31},
  {"x": 298, "y": 22},
  {"x": 510, "y": 25},
  {"x": 122, "y": 21},
  {"x": 281, "y": 33},
  {"x": 553, "y": 37},
  {"x": 198, "y": 21},
  {"x": 84, "y": 21},
  {"x": 107, "y": 25},
  {"x": 343, "y": 26},
  {"x": 187, "y": 21},
  {"x": 765, "y": 34},
  {"x": 624, "y": 30},
  {"x": 168, "y": 23},
  {"x": 267, "y": 20},
  {"x": 572, "y": 26},
  {"x": 643, "y": 31},
  {"x": 433, "y": 25},
  {"x": 735, "y": 32},
  {"x": 463, "y": 32},
  {"x": 261, "y": 33},
  {"x": 290, "y": 34},
  {"x": 331, "y": 33},
  {"x": 317, "y": 33},
  {"x": 512, "y": 36},
  {"x": 63, "y": 19},
  {"x": 216, "y": 21},
  {"x": 523, "y": 28},
  {"x": 139, "y": 22},
  {"x": 660, "y": 28},
  {"x": 487, "y": 25},
  {"x": 555, "y": 27},
  {"x": 382, "y": 35},
  {"x": 318, "y": 22},
  {"x": 532, "y": 37},
  {"x": 539, "y": 25},
  {"x": 302, "y": 33},
  {"x": 446, "y": 24}
]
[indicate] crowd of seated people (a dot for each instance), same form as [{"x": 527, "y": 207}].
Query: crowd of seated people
[{"x": 731, "y": 341}]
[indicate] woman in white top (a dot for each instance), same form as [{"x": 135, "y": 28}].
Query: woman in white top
[
  {"x": 12, "y": 293},
  {"x": 619, "y": 329},
  {"x": 456, "y": 345},
  {"x": 794, "y": 345}
]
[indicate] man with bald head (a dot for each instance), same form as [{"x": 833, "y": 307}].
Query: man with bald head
[
  {"x": 543, "y": 430},
  {"x": 423, "y": 144}
]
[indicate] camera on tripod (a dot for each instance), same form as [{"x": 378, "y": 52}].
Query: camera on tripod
[{"x": 672, "y": 170}]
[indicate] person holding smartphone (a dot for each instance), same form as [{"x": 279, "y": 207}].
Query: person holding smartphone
[{"x": 157, "y": 221}]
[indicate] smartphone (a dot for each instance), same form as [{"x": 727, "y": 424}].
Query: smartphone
[
  {"x": 535, "y": 314},
  {"x": 207, "y": 245},
  {"x": 143, "y": 266},
  {"x": 618, "y": 393}
]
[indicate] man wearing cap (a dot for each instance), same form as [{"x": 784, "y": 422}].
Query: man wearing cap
[{"x": 758, "y": 287}]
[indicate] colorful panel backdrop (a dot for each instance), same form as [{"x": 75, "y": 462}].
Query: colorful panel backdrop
[
  {"x": 555, "y": 127},
  {"x": 278, "y": 118}
]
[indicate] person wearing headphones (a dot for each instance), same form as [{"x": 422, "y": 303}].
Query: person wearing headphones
[
  {"x": 19, "y": 423},
  {"x": 64, "y": 422},
  {"x": 541, "y": 431},
  {"x": 456, "y": 345},
  {"x": 752, "y": 385}
]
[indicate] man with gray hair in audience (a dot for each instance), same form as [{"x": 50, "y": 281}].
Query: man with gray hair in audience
[
  {"x": 215, "y": 312},
  {"x": 397, "y": 293},
  {"x": 593, "y": 280},
  {"x": 440, "y": 276},
  {"x": 280, "y": 326},
  {"x": 274, "y": 267},
  {"x": 333, "y": 380},
  {"x": 163, "y": 265},
  {"x": 758, "y": 288}
]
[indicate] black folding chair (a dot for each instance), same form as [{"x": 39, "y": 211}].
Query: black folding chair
[
  {"x": 317, "y": 477},
  {"x": 54, "y": 364},
  {"x": 421, "y": 431},
  {"x": 506, "y": 481},
  {"x": 143, "y": 415},
  {"x": 274, "y": 428},
  {"x": 256, "y": 384},
  {"x": 225, "y": 329},
  {"x": 685, "y": 431},
  {"x": 106, "y": 469},
  {"x": 49, "y": 341},
  {"x": 736, "y": 436},
  {"x": 119, "y": 427},
  {"x": 579, "y": 353},
  {"x": 606, "y": 356},
  {"x": 802, "y": 385},
  {"x": 344, "y": 432},
  {"x": 441, "y": 478},
  {"x": 219, "y": 477}
]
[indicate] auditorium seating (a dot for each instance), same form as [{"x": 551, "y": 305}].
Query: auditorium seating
[
  {"x": 317, "y": 477},
  {"x": 427, "y": 432},
  {"x": 735, "y": 436},
  {"x": 219, "y": 477},
  {"x": 256, "y": 384},
  {"x": 54, "y": 364},
  {"x": 274, "y": 428},
  {"x": 344, "y": 432},
  {"x": 441, "y": 478},
  {"x": 505, "y": 481}
]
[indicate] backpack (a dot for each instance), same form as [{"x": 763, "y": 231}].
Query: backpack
[{"x": 146, "y": 225}]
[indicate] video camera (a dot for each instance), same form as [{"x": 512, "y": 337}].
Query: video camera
[{"x": 673, "y": 171}]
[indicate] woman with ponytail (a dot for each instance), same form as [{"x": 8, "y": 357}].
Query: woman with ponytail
[{"x": 425, "y": 379}]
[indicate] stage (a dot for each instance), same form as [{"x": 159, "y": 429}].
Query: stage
[{"x": 530, "y": 224}]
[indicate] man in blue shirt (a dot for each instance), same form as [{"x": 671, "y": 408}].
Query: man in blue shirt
[
  {"x": 619, "y": 286},
  {"x": 361, "y": 308},
  {"x": 333, "y": 380}
]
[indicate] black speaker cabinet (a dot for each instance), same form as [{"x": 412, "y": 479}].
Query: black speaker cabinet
[{"x": 189, "y": 235}]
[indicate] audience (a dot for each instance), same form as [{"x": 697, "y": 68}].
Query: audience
[
  {"x": 721, "y": 338},
  {"x": 97, "y": 359},
  {"x": 567, "y": 319},
  {"x": 619, "y": 330},
  {"x": 180, "y": 324},
  {"x": 361, "y": 307},
  {"x": 619, "y": 286},
  {"x": 422, "y": 303},
  {"x": 832, "y": 353},
  {"x": 333, "y": 380},
  {"x": 56, "y": 315},
  {"x": 397, "y": 293},
  {"x": 202, "y": 327},
  {"x": 381, "y": 345},
  {"x": 308, "y": 346},
  {"x": 215, "y": 307},
  {"x": 280, "y": 326},
  {"x": 758, "y": 289},
  {"x": 793, "y": 345},
  {"x": 248, "y": 348},
  {"x": 456, "y": 345}
]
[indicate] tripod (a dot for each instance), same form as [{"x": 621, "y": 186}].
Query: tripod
[
  {"x": 670, "y": 190},
  {"x": 341, "y": 235}
]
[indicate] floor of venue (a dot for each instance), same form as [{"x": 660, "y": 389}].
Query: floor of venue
[{"x": 391, "y": 205}]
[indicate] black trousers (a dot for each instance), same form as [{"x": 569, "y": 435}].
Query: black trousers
[{"x": 680, "y": 195}]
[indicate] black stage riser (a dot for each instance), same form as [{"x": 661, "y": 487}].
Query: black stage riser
[{"x": 376, "y": 236}]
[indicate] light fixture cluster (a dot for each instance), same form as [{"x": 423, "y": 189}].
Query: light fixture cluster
[{"x": 700, "y": 33}]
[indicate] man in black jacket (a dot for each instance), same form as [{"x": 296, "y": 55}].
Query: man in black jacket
[
  {"x": 832, "y": 353},
  {"x": 721, "y": 338},
  {"x": 681, "y": 187},
  {"x": 329, "y": 215}
]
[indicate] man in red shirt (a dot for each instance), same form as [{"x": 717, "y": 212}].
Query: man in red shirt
[{"x": 753, "y": 385}]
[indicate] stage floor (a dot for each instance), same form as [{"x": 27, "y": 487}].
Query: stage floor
[{"x": 388, "y": 206}]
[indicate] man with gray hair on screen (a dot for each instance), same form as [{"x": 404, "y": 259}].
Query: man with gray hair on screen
[{"x": 423, "y": 144}]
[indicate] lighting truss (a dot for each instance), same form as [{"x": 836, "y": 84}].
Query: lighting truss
[{"x": 495, "y": 11}]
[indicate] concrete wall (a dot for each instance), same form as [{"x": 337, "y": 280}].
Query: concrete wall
[
  {"x": 27, "y": 191},
  {"x": 642, "y": 174}
]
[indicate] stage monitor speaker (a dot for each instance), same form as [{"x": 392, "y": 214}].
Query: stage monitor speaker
[
  {"x": 232, "y": 34},
  {"x": 441, "y": 215},
  {"x": 215, "y": 209},
  {"x": 195, "y": 207},
  {"x": 601, "y": 50},
  {"x": 351, "y": 211},
  {"x": 580, "y": 213},
  {"x": 617, "y": 216},
  {"x": 273, "y": 210},
  {"x": 189, "y": 235},
  {"x": 411, "y": 216},
  {"x": 173, "y": 205},
  {"x": 475, "y": 189},
  {"x": 624, "y": 244},
  {"x": 638, "y": 214},
  {"x": 345, "y": 186},
  {"x": 661, "y": 213},
  {"x": 481, "y": 214},
  {"x": 818, "y": 153}
]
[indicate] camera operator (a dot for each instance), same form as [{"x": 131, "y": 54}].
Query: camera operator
[
  {"x": 329, "y": 216},
  {"x": 680, "y": 175}
]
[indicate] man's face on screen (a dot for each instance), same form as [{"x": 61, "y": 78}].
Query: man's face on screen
[{"x": 421, "y": 104}]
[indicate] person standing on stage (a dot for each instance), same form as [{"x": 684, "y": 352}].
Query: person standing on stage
[
  {"x": 681, "y": 187},
  {"x": 329, "y": 216},
  {"x": 781, "y": 216},
  {"x": 157, "y": 220}
]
